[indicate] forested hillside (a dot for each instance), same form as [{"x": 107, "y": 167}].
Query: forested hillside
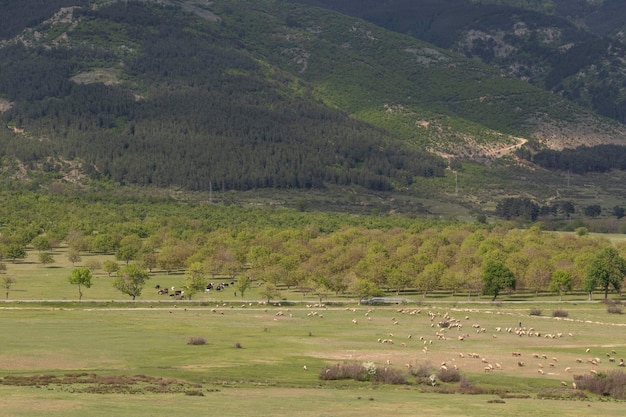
[
  {"x": 183, "y": 105},
  {"x": 240, "y": 95},
  {"x": 573, "y": 48}
]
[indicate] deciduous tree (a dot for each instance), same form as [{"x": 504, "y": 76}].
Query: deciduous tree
[
  {"x": 130, "y": 280},
  {"x": 269, "y": 291},
  {"x": 82, "y": 278},
  {"x": 496, "y": 277},
  {"x": 242, "y": 284},
  {"x": 196, "y": 278},
  {"x": 45, "y": 259},
  {"x": 561, "y": 282},
  {"x": 607, "y": 269}
]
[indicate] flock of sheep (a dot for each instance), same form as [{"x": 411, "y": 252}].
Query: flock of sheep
[{"x": 444, "y": 338}]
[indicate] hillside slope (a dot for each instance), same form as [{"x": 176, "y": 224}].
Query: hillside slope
[
  {"x": 241, "y": 94},
  {"x": 573, "y": 48}
]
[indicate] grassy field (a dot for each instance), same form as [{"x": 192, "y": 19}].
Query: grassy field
[
  {"x": 254, "y": 358},
  {"x": 97, "y": 357}
]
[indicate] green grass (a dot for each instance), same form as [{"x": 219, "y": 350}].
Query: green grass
[
  {"x": 266, "y": 374},
  {"x": 123, "y": 339}
]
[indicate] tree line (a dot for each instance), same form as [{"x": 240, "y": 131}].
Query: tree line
[
  {"x": 583, "y": 159},
  {"x": 313, "y": 253}
]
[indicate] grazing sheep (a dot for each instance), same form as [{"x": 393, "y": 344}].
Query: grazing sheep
[
  {"x": 563, "y": 383},
  {"x": 520, "y": 363},
  {"x": 621, "y": 363},
  {"x": 305, "y": 368},
  {"x": 540, "y": 371},
  {"x": 568, "y": 369}
]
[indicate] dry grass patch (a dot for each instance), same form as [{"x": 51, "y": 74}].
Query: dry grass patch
[{"x": 103, "y": 384}]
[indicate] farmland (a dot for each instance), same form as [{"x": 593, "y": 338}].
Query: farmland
[{"x": 98, "y": 358}]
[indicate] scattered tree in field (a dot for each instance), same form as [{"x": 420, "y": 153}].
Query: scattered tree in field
[
  {"x": 364, "y": 289},
  {"x": 619, "y": 212},
  {"x": 73, "y": 256},
  {"x": 45, "y": 259},
  {"x": 82, "y": 278},
  {"x": 110, "y": 267},
  {"x": 269, "y": 291},
  {"x": 496, "y": 277},
  {"x": 174, "y": 255},
  {"x": 148, "y": 261},
  {"x": 130, "y": 280},
  {"x": 242, "y": 284},
  {"x": 104, "y": 243},
  {"x": 7, "y": 281},
  {"x": 15, "y": 251},
  {"x": 93, "y": 264},
  {"x": 607, "y": 269},
  {"x": 196, "y": 278},
  {"x": 321, "y": 291},
  {"x": 129, "y": 248},
  {"x": 41, "y": 243},
  {"x": 561, "y": 282}
]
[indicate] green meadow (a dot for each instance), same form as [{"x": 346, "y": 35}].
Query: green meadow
[{"x": 109, "y": 356}]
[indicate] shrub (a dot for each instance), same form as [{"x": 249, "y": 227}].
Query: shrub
[
  {"x": 535, "y": 312},
  {"x": 238, "y": 345},
  {"x": 196, "y": 341},
  {"x": 449, "y": 375},
  {"x": 614, "y": 309},
  {"x": 345, "y": 370},
  {"x": 389, "y": 376},
  {"x": 612, "y": 384},
  {"x": 560, "y": 313},
  {"x": 423, "y": 370}
]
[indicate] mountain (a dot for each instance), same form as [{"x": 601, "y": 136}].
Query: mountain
[
  {"x": 573, "y": 48},
  {"x": 241, "y": 95}
]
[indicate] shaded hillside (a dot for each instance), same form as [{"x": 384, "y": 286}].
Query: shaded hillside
[
  {"x": 563, "y": 46},
  {"x": 146, "y": 94},
  {"x": 237, "y": 95}
]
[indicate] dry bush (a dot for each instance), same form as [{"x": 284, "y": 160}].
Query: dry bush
[
  {"x": 389, "y": 375},
  {"x": 614, "y": 309},
  {"x": 535, "y": 312},
  {"x": 612, "y": 384},
  {"x": 559, "y": 312},
  {"x": 344, "y": 370},
  {"x": 196, "y": 341},
  {"x": 422, "y": 370},
  {"x": 449, "y": 375}
]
